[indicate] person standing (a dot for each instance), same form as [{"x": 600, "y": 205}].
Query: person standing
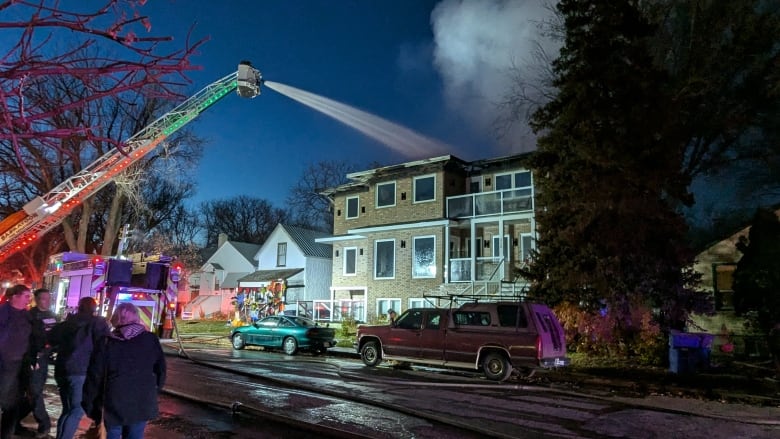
[
  {"x": 43, "y": 320},
  {"x": 391, "y": 315},
  {"x": 125, "y": 376},
  {"x": 16, "y": 348},
  {"x": 74, "y": 340}
]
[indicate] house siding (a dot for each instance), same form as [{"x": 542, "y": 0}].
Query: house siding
[{"x": 406, "y": 220}]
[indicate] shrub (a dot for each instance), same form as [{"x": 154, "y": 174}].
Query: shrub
[
  {"x": 348, "y": 325},
  {"x": 633, "y": 334}
]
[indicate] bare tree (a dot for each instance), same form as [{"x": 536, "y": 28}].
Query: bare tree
[
  {"x": 242, "y": 218},
  {"x": 308, "y": 206},
  {"x": 143, "y": 68}
]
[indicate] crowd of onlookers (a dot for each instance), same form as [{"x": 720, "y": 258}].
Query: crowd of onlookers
[{"x": 109, "y": 371}]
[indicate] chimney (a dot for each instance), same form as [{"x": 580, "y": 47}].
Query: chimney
[{"x": 222, "y": 239}]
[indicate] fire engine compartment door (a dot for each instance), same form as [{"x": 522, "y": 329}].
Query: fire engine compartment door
[{"x": 79, "y": 286}]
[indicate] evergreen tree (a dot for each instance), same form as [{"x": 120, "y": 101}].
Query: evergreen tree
[
  {"x": 757, "y": 277},
  {"x": 608, "y": 171}
]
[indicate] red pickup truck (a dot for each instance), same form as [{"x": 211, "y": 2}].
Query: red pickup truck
[{"x": 495, "y": 337}]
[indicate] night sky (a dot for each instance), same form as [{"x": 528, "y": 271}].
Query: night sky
[{"x": 437, "y": 68}]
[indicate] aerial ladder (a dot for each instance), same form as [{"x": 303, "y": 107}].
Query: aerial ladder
[{"x": 48, "y": 210}]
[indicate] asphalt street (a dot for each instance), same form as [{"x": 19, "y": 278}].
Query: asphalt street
[{"x": 638, "y": 417}]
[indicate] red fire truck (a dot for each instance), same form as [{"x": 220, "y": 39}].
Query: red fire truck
[{"x": 150, "y": 282}]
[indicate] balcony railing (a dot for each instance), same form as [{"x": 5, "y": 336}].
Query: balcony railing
[{"x": 490, "y": 203}]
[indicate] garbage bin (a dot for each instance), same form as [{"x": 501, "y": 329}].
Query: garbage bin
[{"x": 689, "y": 352}]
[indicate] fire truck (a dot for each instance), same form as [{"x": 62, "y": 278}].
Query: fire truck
[
  {"x": 48, "y": 210},
  {"x": 150, "y": 282}
]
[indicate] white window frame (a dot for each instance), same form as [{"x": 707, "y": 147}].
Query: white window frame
[
  {"x": 376, "y": 194},
  {"x": 496, "y": 243},
  {"x": 357, "y": 207},
  {"x": 414, "y": 188},
  {"x": 345, "y": 250},
  {"x": 421, "y": 302},
  {"x": 280, "y": 256},
  {"x": 523, "y": 249},
  {"x": 385, "y": 303},
  {"x": 414, "y": 251},
  {"x": 512, "y": 175},
  {"x": 376, "y": 259}
]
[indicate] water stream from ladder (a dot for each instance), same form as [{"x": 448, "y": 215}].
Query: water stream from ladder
[{"x": 398, "y": 138}]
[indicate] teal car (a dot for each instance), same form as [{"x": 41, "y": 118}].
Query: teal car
[{"x": 288, "y": 333}]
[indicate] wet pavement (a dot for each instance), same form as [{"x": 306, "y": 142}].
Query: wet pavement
[{"x": 528, "y": 411}]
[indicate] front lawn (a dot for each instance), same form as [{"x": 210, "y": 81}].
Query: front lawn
[{"x": 203, "y": 327}]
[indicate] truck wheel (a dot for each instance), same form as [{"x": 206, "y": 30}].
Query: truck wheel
[
  {"x": 238, "y": 341},
  {"x": 370, "y": 354},
  {"x": 289, "y": 345},
  {"x": 496, "y": 366}
]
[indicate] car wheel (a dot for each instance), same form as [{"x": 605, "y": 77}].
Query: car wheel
[
  {"x": 370, "y": 354},
  {"x": 238, "y": 341},
  {"x": 290, "y": 345},
  {"x": 496, "y": 366}
]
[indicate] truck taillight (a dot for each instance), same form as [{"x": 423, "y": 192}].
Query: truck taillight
[{"x": 539, "y": 353}]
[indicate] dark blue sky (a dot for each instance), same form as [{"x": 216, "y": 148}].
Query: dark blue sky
[{"x": 437, "y": 68}]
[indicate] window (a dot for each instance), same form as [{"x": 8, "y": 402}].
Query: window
[
  {"x": 421, "y": 303},
  {"x": 424, "y": 188},
  {"x": 410, "y": 320},
  {"x": 281, "y": 254},
  {"x": 514, "y": 180},
  {"x": 527, "y": 242},
  {"x": 352, "y": 207},
  {"x": 475, "y": 185},
  {"x": 497, "y": 247},
  {"x": 471, "y": 318},
  {"x": 384, "y": 259},
  {"x": 512, "y": 316},
  {"x": 432, "y": 320},
  {"x": 385, "y": 305},
  {"x": 350, "y": 256},
  {"x": 385, "y": 194},
  {"x": 424, "y": 257}
]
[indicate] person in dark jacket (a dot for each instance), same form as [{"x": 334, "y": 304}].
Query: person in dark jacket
[
  {"x": 16, "y": 349},
  {"x": 74, "y": 340},
  {"x": 125, "y": 376},
  {"x": 43, "y": 320}
]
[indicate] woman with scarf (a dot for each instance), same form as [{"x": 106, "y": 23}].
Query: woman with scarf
[{"x": 125, "y": 376}]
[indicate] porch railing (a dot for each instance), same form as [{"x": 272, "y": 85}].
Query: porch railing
[{"x": 490, "y": 203}]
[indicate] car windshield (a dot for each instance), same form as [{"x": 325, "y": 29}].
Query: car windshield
[{"x": 303, "y": 321}]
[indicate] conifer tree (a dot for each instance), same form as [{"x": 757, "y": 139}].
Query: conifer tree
[{"x": 608, "y": 171}]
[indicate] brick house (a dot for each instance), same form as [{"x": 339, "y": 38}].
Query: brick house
[{"x": 406, "y": 234}]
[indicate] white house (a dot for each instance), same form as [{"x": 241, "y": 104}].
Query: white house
[
  {"x": 218, "y": 278},
  {"x": 291, "y": 254}
]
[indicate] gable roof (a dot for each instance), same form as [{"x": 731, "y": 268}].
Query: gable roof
[
  {"x": 247, "y": 250},
  {"x": 305, "y": 240}
]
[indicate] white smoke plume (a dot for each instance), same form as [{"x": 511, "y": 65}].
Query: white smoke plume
[{"x": 481, "y": 49}]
